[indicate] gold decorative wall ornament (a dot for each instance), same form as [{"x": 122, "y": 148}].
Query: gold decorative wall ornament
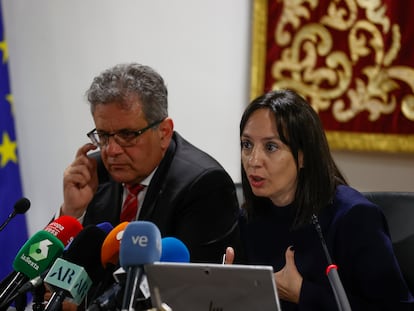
[{"x": 343, "y": 56}]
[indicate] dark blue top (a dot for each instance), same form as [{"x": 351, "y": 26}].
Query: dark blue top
[{"x": 358, "y": 241}]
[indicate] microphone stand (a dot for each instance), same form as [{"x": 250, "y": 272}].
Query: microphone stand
[
  {"x": 38, "y": 294},
  {"x": 10, "y": 217},
  {"x": 332, "y": 272},
  {"x": 161, "y": 306},
  {"x": 20, "y": 207}
]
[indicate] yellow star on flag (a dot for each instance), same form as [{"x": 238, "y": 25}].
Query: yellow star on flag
[
  {"x": 7, "y": 150},
  {"x": 3, "y": 47},
  {"x": 9, "y": 98}
]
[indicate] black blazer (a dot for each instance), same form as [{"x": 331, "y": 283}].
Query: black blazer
[{"x": 190, "y": 197}]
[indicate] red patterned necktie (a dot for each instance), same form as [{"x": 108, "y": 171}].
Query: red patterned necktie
[{"x": 130, "y": 207}]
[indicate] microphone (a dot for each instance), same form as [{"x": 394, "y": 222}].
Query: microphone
[
  {"x": 37, "y": 254},
  {"x": 173, "y": 250},
  {"x": 141, "y": 244},
  {"x": 105, "y": 226},
  {"x": 332, "y": 272},
  {"x": 109, "y": 259},
  {"x": 33, "y": 283},
  {"x": 65, "y": 228},
  {"x": 34, "y": 257},
  {"x": 37, "y": 281},
  {"x": 78, "y": 269},
  {"x": 6, "y": 280},
  {"x": 111, "y": 245},
  {"x": 20, "y": 207}
]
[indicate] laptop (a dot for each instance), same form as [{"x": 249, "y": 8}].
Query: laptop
[{"x": 212, "y": 287}]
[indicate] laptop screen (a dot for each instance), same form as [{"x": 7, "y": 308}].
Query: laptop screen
[{"x": 212, "y": 287}]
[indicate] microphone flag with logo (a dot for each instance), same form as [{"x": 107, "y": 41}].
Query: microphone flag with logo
[
  {"x": 140, "y": 245},
  {"x": 37, "y": 254},
  {"x": 15, "y": 233},
  {"x": 78, "y": 270},
  {"x": 33, "y": 258}
]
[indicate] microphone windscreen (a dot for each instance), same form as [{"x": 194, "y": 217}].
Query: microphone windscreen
[
  {"x": 21, "y": 206},
  {"x": 37, "y": 254},
  {"x": 69, "y": 280},
  {"x": 85, "y": 251},
  {"x": 105, "y": 226},
  {"x": 111, "y": 245},
  {"x": 141, "y": 244},
  {"x": 65, "y": 228},
  {"x": 174, "y": 250}
]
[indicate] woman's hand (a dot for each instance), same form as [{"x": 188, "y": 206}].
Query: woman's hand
[
  {"x": 229, "y": 256},
  {"x": 288, "y": 279}
]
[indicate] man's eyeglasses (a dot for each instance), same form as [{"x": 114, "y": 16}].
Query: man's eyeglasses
[{"x": 124, "y": 138}]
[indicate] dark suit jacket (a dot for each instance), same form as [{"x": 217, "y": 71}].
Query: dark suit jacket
[{"x": 190, "y": 197}]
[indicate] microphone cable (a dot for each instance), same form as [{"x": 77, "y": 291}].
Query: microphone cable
[{"x": 332, "y": 272}]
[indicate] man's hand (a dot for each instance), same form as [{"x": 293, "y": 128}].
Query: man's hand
[
  {"x": 80, "y": 181},
  {"x": 66, "y": 305}
]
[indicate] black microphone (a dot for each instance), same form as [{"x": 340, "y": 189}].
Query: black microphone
[
  {"x": 20, "y": 207},
  {"x": 332, "y": 272},
  {"x": 107, "y": 298}
]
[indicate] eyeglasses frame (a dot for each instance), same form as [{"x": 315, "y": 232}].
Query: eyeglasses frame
[{"x": 137, "y": 133}]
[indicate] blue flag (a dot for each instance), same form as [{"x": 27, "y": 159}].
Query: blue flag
[{"x": 14, "y": 234}]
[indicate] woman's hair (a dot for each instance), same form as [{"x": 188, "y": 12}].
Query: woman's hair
[
  {"x": 125, "y": 82},
  {"x": 299, "y": 128}
]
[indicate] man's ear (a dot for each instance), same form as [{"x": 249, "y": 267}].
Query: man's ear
[{"x": 166, "y": 129}]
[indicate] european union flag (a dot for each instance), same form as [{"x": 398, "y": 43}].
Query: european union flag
[{"x": 14, "y": 235}]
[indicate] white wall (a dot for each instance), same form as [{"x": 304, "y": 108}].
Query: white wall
[{"x": 200, "y": 47}]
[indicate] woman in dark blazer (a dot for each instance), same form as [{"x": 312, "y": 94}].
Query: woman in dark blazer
[{"x": 297, "y": 201}]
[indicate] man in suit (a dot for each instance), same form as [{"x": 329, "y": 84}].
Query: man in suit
[{"x": 185, "y": 192}]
